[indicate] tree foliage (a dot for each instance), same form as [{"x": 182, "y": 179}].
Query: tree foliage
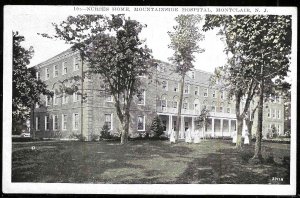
[
  {"x": 26, "y": 87},
  {"x": 185, "y": 43},
  {"x": 258, "y": 49}
]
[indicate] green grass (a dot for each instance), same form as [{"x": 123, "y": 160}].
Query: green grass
[{"x": 151, "y": 162}]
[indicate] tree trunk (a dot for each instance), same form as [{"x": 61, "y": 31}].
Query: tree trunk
[
  {"x": 178, "y": 122},
  {"x": 249, "y": 124},
  {"x": 125, "y": 127},
  {"x": 239, "y": 133},
  {"x": 257, "y": 152},
  {"x": 33, "y": 122}
]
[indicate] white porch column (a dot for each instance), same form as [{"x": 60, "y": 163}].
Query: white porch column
[
  {"x": 193, "y": 124},
  {"x": 213, "y": 127},
  {"x": 221, "y": 127},
  {"x": 170, "y": 123},
  {"x": 229, "y": 126},
  {"x": 182, "y": 127}
]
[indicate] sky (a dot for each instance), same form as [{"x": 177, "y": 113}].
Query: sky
[{"x": 29, "y": 22}]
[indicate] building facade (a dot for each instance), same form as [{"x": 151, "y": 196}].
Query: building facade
[{"x": 65, "y": 114}]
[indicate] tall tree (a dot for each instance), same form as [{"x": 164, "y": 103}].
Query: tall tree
[
  {"x": 26, "y": 87},
  {"x": 185, "y": 43},
  {"x": 259, "y": 48},
  {"x": 121, "y": 60},
  {"x": 111, "y": 47}
]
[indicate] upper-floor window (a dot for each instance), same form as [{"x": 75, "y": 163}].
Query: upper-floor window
[
  {"x": 228, "y": 109},
  {"x": 47, "y": 100},
  {"x": 64, "y": 98},
  {"x": 193, "y": 75},
  {"x": 176, "y": 87},
  {"x": 196, "y": 90},
  {"x": 278, "y": 114},
  {"x": 278, "y": 99},
  {"x": 76, "y": 63},
  {"x": 213, "y": 107},
  {"x": 141, "y": 123},
  {"x": 47, "y": 74},
  {"x": 214, "y": 93},
  {"x": 185, "y": 105},
  {"x": 205, "y": 93},
  {"x": 165, "y": 85},
  {"x": 108, "y": 121},
  {"x": 269, "y": 113},
  {"x": 55, "y": 99},
  {"x": 186, "y": 89},
  {"x": 175, "y": 104},
  {"x": 37, "y": 74},
  {"x": 274, "y": 113},
  {"x": 75, "y": 97},
  {"x": 55, "y": 71},
  {"x": 222, "y": 95},
  {"x": 141, "y": 97},
  {"x": 64, "y": 68}
]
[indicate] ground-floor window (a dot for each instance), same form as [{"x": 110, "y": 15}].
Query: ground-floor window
[
  {"x": 75, "y": 121},
  {"x": 174, "y": 125},
  {"x": 186, "y": 125},
  {"x": 233, "y": 125},
  {"x": 164, "y": 123},
  {"x": 64, "y": 122},
  {"x": 108, "y": 121},
  {"x": 37, "y": 123},
  {"x": 47, "y": 123},
  {"x": 141, "y": 123},
  {"x": 55, "y": 122}
]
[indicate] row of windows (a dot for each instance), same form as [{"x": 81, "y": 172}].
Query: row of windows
[
  {"x": 140, "y": 122},
  {"x": 55, "y": 126},
  {"x": 64, "y": 67},
  {"x": 185, "y": 105},
  {"x": 277, "y": 127},
  {"x": 273, "y": 113},
  {"x": 187, "y": 90},
  {"x": 64, "y": 99}
]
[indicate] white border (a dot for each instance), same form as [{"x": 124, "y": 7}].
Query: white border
[{"x": 64, "y": 188}]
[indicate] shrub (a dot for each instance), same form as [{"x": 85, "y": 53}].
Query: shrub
[
  {"x": 156, "y": 127},
  {"x": 78, "y": 136},
  {"x": 105, "y": 132},
  {"x": 94, "y": 138}
]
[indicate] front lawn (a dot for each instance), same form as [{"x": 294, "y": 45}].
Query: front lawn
[{"x": 210, "y": 162}]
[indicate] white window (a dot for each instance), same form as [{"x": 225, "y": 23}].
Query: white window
[
  {"x": 37, "y": 123},
  {"x": 55, "y": 122},
  {"x": 186, "y": 89},
  {"x": 228, "y": 109},
  {"x": 278, "y": 114},
  {"x": 47, "y": 75},
  {"x": 176, "y": 87},
  {"x": 205, "y": 93},
  {"x": 213, "y": 107},
  {"x": 196, "y": 107},
  {"x": 274, "y": 113},
  {"x": 64, "y": 68},
  {"x": 165, "y": 85},
  {"x": 54, "y": 99},
  {"x": 185, "y": 105},
  {"x": 55, "y": 71},
  {"x": 278, "y": 129},
  {"x": 47, "y": 100},
  {"x": 193, "y": 75},
  {"x": 141, "y": 123},
  {"x": 108, "y": 121},
  {"x": 175, "y": 104},
  {"x": 47, "y": 123},
  {"x": 75, "y": 121},
  {"x": 278, "y": 99},
  {"x": 141, "y": 97},
  {"x": 221, "y": 109},
  {"x": 222, "y": 95},
  {"x": 269, "y": 113},
  {"x": 75, "y": 97},
  {"x": 109, "y": 98},
  {"x": 64, "y": 98},
  {"x": 76, "y": 63},
  {"x": 37, "y": 105},
  {"x": 214, "y": 94},
  {"x": 196, "y": 90},
  {"x": 37, "y": 74},
  {"x": 64, "y": 119}
]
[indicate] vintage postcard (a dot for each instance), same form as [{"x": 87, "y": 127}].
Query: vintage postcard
[{"x": 150, "y": 100}]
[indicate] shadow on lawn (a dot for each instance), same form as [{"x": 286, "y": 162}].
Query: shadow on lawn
[{"x": 227, "y": 166}]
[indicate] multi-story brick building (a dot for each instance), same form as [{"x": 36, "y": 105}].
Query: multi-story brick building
[{"x": 63, "y": 115}]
